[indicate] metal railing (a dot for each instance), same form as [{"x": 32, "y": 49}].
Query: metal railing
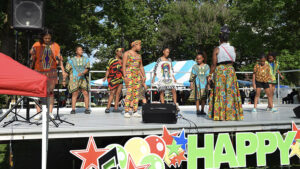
[{"x": 152, "y": 89}]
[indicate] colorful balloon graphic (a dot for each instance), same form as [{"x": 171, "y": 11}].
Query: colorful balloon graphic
[
  {"x": 122, "y": 157},
  {"x": 154, "y": 160},
  {"x": 157, "y": 145},
  {"x": 137, "y": 148}
]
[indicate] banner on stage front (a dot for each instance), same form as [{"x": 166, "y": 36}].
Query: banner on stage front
[{"x": 181, "y": 150}]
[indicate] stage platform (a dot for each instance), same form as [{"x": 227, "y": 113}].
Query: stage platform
[{"x": 100, "y": 124}]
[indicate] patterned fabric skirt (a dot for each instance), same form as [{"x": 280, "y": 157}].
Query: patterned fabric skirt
[
  {"x": 114, "y": 82},
  {"x": 200, "y": 94},
  {"x": 51, "y": 80},
  {"x": 75, "y": 85},
  {"x": 225, "y": 100}
]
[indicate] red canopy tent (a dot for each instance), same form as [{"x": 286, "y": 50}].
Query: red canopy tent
[{"x": 17, "y": 79}]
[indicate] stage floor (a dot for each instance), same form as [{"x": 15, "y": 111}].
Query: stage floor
[{"x": 100, "y": 124}]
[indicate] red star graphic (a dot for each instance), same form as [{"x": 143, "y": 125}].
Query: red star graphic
[
  {"x": 167, "y": 137},
  {"x": 173, "y": 162},
  {"x": 90, "y": 155},
  {"x": 131, "y": 165},
  {"x": 294, "y": 127},
  {"x": 180, "y": 158}
]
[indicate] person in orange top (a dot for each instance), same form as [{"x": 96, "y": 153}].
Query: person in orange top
[
  {"x": 45, "y": 56},
  {"x": 261, "y": 77}
]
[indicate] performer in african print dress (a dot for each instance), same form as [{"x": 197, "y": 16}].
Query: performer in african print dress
[
  {"x": 77, "y": 69},
  {"x": 132, "y": 70},
  {"x": 225, "y": 102},
  {"x": 198, "y": 82},
  {"x": 44, "y": 55},
  {"x": 164, "y": 71},
  {"x": 274, "y": 69},
  {"x": 114, "y": 76}
]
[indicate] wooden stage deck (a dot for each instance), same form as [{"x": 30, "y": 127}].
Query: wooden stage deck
[{"x": 99, "y": 124}]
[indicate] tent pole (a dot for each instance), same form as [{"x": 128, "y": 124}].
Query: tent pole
[
  {"x": 45, "y": 133},
  {"x": 278, "y": 89},
  {"x": 89, "y": 87},
  {"x": 151, "y": 87}
]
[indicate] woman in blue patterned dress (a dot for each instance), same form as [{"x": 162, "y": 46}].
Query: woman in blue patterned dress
[{"x": 77, "y": 69}]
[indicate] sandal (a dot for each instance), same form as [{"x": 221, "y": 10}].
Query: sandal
[
  {"x": 117, "y": 110},
  {"x": 87, "y": 111},
  {"x": 72, "y": 112}
]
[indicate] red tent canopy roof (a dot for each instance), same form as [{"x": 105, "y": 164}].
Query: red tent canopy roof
[{"x": 17, "y": 79}]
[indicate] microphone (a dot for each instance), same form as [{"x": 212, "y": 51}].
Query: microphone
[{"x": 58, "y": 60}]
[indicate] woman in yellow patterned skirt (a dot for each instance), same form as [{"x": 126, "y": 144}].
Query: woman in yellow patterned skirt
[{"x": 225, "y": 101}]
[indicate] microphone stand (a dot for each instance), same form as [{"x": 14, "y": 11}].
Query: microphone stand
[{"x": 58, "y": 98}]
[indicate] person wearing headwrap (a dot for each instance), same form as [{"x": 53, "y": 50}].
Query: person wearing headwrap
[
  {"x": 133, "y": 71},
  {"x": 225, "y": 101},
  {"x": 114, "y": 76}
]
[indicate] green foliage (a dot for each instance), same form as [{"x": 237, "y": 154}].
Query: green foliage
[
  {"x": 190, "y": 26},
  {"x": 4, "y": 153},
  {"x": 259, "y": 26},
  {"x": 3, "y": 101},
  {"x": 127, "y": 20},
  {"x": 290, "y": 61}
]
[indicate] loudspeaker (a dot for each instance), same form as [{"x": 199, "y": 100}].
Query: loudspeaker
[
  {"x": 297, "y": 111},
  {"x": 159, "y": 113},
  {"x": 28, "y": 14}
]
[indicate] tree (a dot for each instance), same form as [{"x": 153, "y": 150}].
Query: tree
[
  {"x": 128, "y": 20},
  {"x": 189, "y": 26},
  {"x": 259, "y": 26}
]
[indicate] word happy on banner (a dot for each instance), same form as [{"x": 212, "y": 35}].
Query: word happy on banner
[{"x": 171, "y": 149}]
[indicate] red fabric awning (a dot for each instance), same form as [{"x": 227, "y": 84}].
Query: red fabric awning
[{"x": 17, "y": 79}]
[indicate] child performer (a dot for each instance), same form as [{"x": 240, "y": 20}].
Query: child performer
[
  {"x": 198, "y": 82},
  {"x": 114, "y": 76},
  {"x": 165, "y": 74},
  {"x": 274, "y": 69},
  {"x": 261, "y": 77},
  {"x": 77, "y": 68}
]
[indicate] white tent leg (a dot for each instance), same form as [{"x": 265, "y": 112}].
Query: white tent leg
[{"x": 45, "y": 133}]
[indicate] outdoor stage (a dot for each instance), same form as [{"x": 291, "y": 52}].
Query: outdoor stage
[{"x": 99, "y": 124}]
